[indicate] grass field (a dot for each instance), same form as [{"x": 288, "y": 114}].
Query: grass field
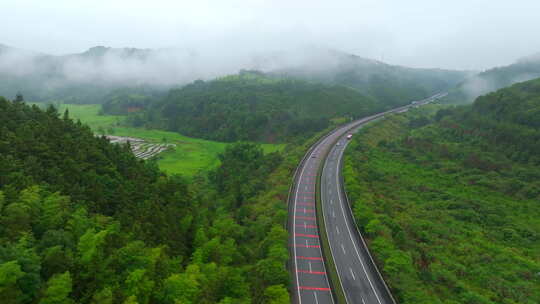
[
  {"x": 190, "y": 156},
  {"x": 88, "y": 114}
]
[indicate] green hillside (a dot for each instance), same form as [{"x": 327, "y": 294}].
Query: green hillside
[
  {"x": 449, "y": 199},
  {"x": 190, "y": 156},
  {"x": 390, "y": 85},
  {"x": 253, "y": 107},
  {"x": 83, "y": 221},
  {"x": 493, "y": 79}
]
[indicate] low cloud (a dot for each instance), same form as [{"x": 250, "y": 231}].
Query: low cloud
[{"x": 165, "y": 67}]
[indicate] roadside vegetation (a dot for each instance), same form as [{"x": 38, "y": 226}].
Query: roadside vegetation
[{"x": 448, "y": 199}]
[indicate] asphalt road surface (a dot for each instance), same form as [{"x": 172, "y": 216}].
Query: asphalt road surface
[{"x": 358, "y": 276}]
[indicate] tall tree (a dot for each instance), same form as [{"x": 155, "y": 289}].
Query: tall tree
[{"x": 58, "y": 290}]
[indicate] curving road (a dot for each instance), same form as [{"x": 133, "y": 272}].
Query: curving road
[{"x": 358, "y": 275}]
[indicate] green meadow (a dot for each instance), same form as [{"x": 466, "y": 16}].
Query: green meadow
[
  {"x": 89, "y": 114},
  {"x": 189, "y": 157}
]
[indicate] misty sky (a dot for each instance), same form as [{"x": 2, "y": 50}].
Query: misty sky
[{"x": 460, "y": 34}]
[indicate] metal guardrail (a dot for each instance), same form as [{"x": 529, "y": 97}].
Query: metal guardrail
[
  {"x": 359, "y": 235},
  {"x": 296, "y": 176},
  {"x": 350, "y": 126},
  {"x": 290, "y": 206}
]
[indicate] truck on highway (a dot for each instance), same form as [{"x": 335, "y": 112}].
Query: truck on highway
[{"x": 349, "y": 136}]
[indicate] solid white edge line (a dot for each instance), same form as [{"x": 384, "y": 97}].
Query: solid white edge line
[
  {"x": 323, "y": 191},
  {"x": 350, "y": 234},
  {"x": 343, "y": 129},
  {"x": 318, "y": 228},
  {"x": 294, "y": 236},
  {"x": 294, "y": 231}
]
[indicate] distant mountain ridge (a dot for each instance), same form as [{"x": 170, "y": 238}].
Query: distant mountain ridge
[
  {"x": 89, "y": 76},
  {"x": 78, "y": 78},
  {"x": 532, "y": 58},
  {"x": 379, "y": 80},
  {"x": 101, "y": 51},
  {"x": 523, "y": 69}
]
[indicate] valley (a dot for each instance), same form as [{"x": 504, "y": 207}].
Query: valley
[
  {"x": 416, "y": 146},
  {"x": 188, "y": 157},
  {"x": 269, "y": 152}
]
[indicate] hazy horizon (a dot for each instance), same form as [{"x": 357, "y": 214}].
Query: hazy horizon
[{"x": 468, "y": 35}]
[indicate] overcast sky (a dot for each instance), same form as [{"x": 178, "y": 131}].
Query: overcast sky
[{"x": 459, "y": 34}]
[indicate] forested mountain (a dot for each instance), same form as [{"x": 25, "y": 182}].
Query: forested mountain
[
  {"x": 83, "y": 221},
  {"x": 90, "y": 76},
  {"x": 252, "y": 106},
  {"x": 449, "y": 199},
  {"x": 493, "y": 79},
  {"x": 387, "y": 83},
  {"x": 85, "y": 77}
]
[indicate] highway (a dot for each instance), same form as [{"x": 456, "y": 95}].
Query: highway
[{"x": 358, "y": 275}]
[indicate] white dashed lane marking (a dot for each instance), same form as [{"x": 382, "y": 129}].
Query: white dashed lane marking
[{"x": 352, "y": 273}]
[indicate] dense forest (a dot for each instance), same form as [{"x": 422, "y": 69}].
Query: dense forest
[
  {"x": 124, "y": 101},
  {"x": 83, "y": 221},
  {"x": 448, "y": 199},
  {"x": 251, "y": 106},
  {"x": 493, "y": 79}
]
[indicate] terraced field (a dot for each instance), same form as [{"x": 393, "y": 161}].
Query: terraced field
[
  {"x": 141, "y": 148},
  {"x": 186, "y": 155}
]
